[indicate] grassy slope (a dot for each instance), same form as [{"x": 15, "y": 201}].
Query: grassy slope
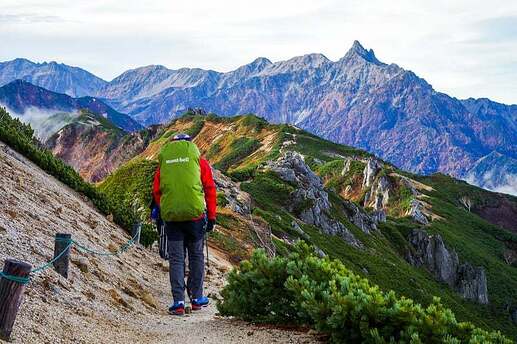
[{"x": 241, "y": 144}]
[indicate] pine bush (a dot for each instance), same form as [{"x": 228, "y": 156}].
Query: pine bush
[{"x": 304, "y": 289}]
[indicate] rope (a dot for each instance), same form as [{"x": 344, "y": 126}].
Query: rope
[
  {"x": 24, "y": 280},
  {"x": 17, "y": 279},
  {"x": 121, "y": 250}
]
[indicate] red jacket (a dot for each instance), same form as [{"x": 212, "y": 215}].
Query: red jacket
[{"x": 208, "y": 187}]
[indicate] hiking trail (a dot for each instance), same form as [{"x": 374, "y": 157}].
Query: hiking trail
[{"x": 116, "y": 299}]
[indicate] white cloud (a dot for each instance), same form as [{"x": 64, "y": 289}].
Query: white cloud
[
  {"x": 464, "y": 48},
  {"x": 44, "y": 122}
]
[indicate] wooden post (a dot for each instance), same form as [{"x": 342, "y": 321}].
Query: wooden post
[
  {"x": 11, "y": 295},
  {"x": 61, "y": 242},
  {"x": 135, "y": 232}
]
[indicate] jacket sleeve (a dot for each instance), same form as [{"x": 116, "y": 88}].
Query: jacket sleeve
[
  {"x": 156, "y": 187},
  {"x": 209, "y": 189}
]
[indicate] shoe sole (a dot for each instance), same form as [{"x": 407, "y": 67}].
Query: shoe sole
[
  {"x": 198, "y": 308},
  {"x": 176, "y": 314}
]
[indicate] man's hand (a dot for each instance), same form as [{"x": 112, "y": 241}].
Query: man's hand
[
  {"x": 155, "y": 213},
  {"x": 210, "y": 226}
]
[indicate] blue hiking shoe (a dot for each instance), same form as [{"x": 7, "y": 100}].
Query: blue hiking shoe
[
  {"x": 177, "y": 308},
  {"x": 197, "y": 304}
]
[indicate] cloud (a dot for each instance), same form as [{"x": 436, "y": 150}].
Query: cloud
[
  {"x": 488, "y": 181},
  {"x": 44, "y": 122},
  {"x": 29, "y": 18},
  {"x": 465, "y": 48}
]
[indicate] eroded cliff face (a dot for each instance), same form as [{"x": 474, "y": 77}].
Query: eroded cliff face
[
  {"x": 429, "y": 251},
  {"x": 95, "y": 151}
]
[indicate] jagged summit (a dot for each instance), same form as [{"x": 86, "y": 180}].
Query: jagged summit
[
  {"x": 261, "y": 61},
  {"x": 357, "y": 50}
]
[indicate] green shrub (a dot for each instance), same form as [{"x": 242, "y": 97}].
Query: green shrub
[
  {"x": 243, "y": 174},
  {"x": 307, "y": 290},
  {"x": 221, "y": 200}
]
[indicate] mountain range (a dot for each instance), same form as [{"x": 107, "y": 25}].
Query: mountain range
[{"x": 357, "y": 100}]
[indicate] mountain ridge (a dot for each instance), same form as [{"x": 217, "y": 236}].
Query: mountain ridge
[{"x": 357, "y": 100}]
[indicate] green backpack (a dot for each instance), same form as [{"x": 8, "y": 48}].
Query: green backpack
[{"x": 180, "y": 182}]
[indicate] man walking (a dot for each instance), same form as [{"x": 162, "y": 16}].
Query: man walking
[{"x": 185, "y": 191}]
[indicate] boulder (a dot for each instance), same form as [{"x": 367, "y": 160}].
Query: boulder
[
  {"x": 472, "y": 283},
  {"x": 378, "y": 216},
  {"x": 429, "y": 251}
]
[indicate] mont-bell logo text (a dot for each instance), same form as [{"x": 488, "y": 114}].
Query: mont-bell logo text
[{"x": 177, "y": 160}]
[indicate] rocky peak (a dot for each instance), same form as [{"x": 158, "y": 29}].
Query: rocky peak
[
  {"x": 260, "y": 63},
  {"x": 358, "y": 51},
  {"x": 429, "y": 251}
]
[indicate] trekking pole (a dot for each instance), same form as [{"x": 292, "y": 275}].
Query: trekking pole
[{"x": 206, "y": 244}]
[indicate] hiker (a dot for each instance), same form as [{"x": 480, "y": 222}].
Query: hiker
[{"x": 184, "y": 190}]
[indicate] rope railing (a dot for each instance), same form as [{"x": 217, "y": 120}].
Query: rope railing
[
  {"x": 17, "y": 274},
  {"x": 71, "y": 243}
]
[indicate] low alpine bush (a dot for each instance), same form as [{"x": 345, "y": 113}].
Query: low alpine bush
[{"x": 304, "y": 289}]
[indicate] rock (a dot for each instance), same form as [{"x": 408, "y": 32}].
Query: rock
[
  {"x": 371, "y": 169},
  {"x": 378, "y": 216},
  {"x": 319, "y": 252},
  {"x": 310, "y": 199},
  {"x": 149, "y": 299},
  {"x": 513, "y": 315},
  {"x": 416, "y": 212},
  {"x": 429, "y": 251},
  {"x": 238, "y": 200},
  {"x": 359, "y": 217},
  {"x": 299, "y": 230},
  {"x": 110, "y": 217},
  {"x": 472, "y": 283},
  {"x": 346, "y": 166},
  {"x": 118, "y": 299},
  {"x": 82, "y": 263},
  {"x": 379, "y": 194}
]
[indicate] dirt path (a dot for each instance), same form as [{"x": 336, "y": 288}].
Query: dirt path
[{"x": 104, "y": 300}]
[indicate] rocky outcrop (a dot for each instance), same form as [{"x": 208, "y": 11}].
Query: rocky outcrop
[
  {"x": 416, "y": 212},
  {"x": 359, "y": 217},
  {"x": 310, "y": 199},
  {"x": 373, "y": 167},
  {"x": 380, "y": 188},
  {"x": 429, "y": 251},
  {"x": 238, "y": 200}
]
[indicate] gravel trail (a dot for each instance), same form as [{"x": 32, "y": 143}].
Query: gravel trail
[{"x": 105, "y": 300}]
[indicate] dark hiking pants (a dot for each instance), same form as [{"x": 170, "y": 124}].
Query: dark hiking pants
[{"x": 187, "y": 237}]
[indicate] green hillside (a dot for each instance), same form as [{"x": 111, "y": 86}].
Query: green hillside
[{"x": 242, "y": 146}]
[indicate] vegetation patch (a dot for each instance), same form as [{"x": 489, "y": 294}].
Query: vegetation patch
[
  {"x": 240, "y": 149},
  {"x": 307, "y": 290},
  {"x": 268, "y": 190}
]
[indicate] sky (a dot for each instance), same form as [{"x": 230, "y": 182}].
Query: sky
[{"x": 466, "y": 48}]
